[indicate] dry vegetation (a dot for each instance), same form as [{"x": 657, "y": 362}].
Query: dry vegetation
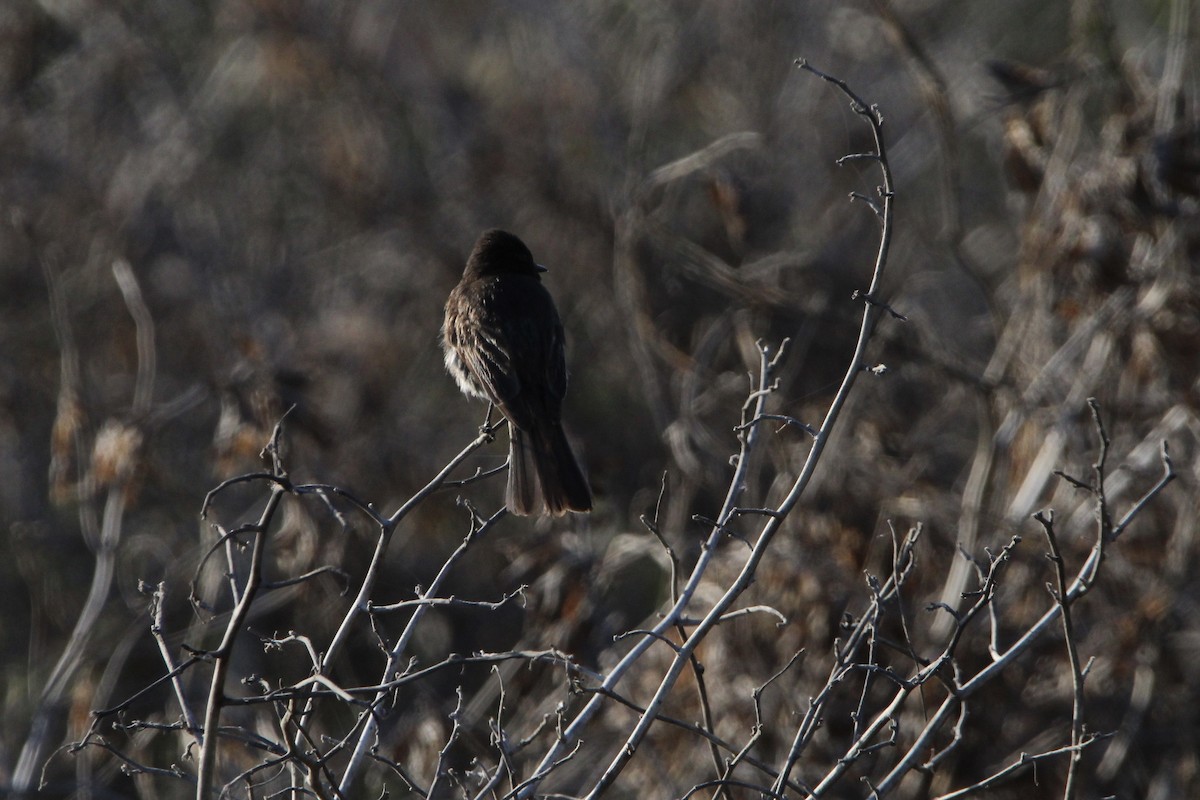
[{"x": 833, "y": 443}]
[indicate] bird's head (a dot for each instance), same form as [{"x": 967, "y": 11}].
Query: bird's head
[{"x": 499, "y": 252}]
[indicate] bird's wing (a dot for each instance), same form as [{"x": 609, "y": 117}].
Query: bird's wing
[
  {"x": 556, "y": 362},
  {"x": 487, "y": 357},
  {"x": 513, "y": 346}
]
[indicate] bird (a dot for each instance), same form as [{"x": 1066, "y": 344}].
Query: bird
[{"x": 504, "y": 343}]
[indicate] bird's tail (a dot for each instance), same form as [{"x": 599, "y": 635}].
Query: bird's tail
[{"x": 543, "y": 474}]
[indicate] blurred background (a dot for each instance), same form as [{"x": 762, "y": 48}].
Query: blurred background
[{"x": 287, "y": 191}]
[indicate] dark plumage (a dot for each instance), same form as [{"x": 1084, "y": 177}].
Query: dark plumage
[{"x": 504, "y": 344}]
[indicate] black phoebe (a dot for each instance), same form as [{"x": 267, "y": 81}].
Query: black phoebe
[{"x": 504, "y": 344}]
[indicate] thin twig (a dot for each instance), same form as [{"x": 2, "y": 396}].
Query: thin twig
[
  {"x": 1046, "y": 519},
  {"x": 1023, "y": 761}
]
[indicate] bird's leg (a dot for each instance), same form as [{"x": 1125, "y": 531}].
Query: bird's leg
[{"x": 486, "y": 429}]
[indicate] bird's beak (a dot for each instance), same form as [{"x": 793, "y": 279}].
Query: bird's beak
[{"x": 540, "y": 268}]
